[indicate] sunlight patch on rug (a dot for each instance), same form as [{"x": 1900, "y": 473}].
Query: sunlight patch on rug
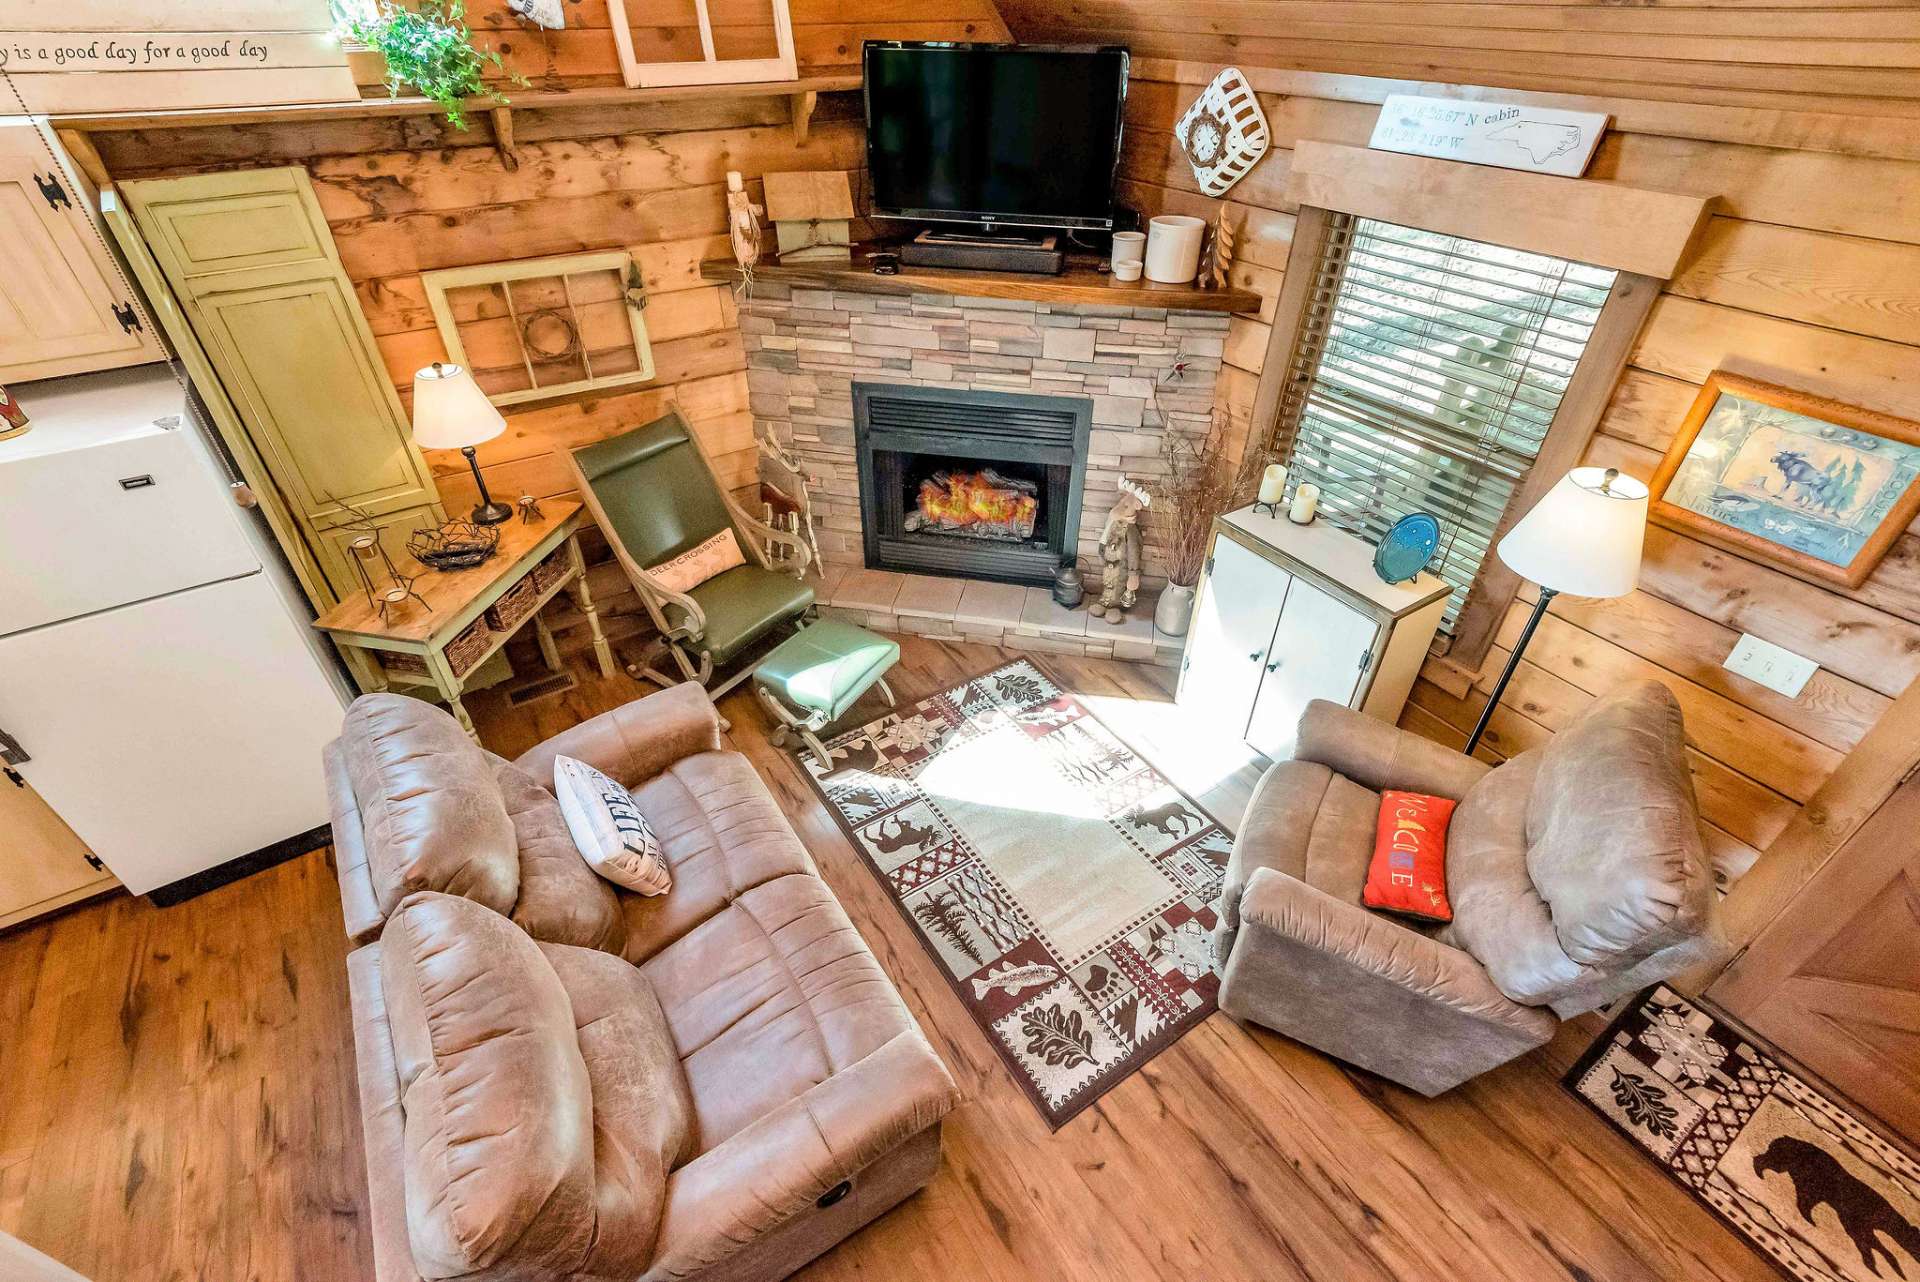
[{"x": 1065, "y": 887}]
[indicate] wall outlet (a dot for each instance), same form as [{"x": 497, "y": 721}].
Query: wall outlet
[{"x": 1770, "y": 665}]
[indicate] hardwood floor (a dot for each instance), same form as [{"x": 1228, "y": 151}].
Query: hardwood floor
[{"x": 178, "y": 1103}]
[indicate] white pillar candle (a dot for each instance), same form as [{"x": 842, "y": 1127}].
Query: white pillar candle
[
  {"x": 1306, "y": 500},
  {"x": 1173, "y": 248},
  {"x": 1273, "y": 483}
]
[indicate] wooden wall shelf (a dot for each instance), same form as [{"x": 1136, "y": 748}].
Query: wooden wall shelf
[
  {"x": 800, "y": 93},
  {"x": 1081, "y": 284}
]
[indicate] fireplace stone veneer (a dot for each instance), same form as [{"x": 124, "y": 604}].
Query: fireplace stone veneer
[{"x": 1140, "y": 371}]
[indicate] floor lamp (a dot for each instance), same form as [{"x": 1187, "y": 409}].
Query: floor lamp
[{"x": 1584, "y": 537}]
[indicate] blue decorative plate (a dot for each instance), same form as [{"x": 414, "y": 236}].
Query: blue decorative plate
[{"x": 1406, "y": 548}]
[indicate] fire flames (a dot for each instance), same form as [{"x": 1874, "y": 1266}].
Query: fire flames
[{"x": 978, "y": 502}]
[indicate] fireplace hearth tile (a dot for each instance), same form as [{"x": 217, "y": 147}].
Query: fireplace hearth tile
[
  {"x": 871, "y": 590},
  {"x": 826, "y": 580},
  {"x": 1134, "y": 630},
  {"x": 1043, "y": 614},
  {"x": 993, "y": 604},
  {"x": 929, "y": 596}
]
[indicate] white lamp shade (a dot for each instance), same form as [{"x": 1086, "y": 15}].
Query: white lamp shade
[
  {"x": 450, "y": 412},
  {"x": 1584, "y": 537}
]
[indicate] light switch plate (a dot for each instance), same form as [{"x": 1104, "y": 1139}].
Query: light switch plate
[{"x": 1772, "y": 666}]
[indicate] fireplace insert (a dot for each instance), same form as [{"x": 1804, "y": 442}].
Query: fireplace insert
[{"x": 982, "y": 485}]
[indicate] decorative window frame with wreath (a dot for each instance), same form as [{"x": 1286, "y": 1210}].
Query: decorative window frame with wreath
[
  {"x": 564, "y": 266},
  {"x": 710, "y": 68}
]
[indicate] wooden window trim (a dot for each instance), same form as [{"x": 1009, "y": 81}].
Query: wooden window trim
[{"x": 1630, "y": 230}]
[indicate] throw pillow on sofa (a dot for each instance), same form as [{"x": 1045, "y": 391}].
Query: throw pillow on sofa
[{"x": 609, "y": 830}]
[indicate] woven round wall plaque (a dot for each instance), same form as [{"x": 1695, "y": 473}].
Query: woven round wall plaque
[{"x": 1224, "y": 132}]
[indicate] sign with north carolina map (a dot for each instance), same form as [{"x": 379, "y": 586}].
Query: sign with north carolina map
[{"x": 1541, "y": 140}]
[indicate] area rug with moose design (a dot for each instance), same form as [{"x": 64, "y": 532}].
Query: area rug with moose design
[
  {"x": 1817, "y": 1191},
  {"x": 1064, "y": 886}
]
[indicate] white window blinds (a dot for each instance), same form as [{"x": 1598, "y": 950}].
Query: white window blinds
[{"x": 1426, "y": 374}]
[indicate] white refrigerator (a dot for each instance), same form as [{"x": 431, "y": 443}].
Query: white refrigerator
[{"x": 159, "y": 684}]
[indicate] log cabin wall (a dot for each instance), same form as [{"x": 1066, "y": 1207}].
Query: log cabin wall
[
  {"x": 407, "y": 194},
  {"x": 1808, "y": 275}
]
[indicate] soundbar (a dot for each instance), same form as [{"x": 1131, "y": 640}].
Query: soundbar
[{"x": 989, "y": 253}]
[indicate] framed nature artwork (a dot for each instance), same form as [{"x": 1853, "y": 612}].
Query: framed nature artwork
[{"x": 1820, "y": 488}]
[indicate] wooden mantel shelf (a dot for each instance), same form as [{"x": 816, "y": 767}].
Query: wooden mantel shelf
[{"x": 1082, "y": 283}]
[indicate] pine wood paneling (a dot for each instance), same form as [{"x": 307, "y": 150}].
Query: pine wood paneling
[{"x": 1844, "y": 57}]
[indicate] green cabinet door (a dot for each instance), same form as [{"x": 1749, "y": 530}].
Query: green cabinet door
[{"x": 254, "y": 265}]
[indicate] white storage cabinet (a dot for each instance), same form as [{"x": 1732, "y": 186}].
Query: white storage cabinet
[{"x": 1289, "y": 613}]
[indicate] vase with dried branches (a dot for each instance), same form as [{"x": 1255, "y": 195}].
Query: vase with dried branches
[{"x": 1196, "y": 485}]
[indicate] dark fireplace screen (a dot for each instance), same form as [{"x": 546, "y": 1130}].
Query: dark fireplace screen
[{"x": 977, "y": 484}]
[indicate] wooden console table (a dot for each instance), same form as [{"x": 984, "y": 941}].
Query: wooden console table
[
  {"x": 469, "y": 614},
  {"x": 1081, "y": 283}
]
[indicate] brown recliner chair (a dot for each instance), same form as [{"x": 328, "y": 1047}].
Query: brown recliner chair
[
  {"x": 1576, "y": 872},
  {"x": 559, "y": 1078}
]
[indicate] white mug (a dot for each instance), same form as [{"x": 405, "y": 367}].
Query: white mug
[{"x": 1173, "y": 248}]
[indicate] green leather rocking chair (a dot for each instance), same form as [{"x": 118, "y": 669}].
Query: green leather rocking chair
[{"x": 654, "y": 494}]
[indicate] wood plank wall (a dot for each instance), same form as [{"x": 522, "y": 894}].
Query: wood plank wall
[
  {"x": 1809, "y": 274},
  {"x": 407, "y": 195},
  {"x": 1857, "y": 56}
]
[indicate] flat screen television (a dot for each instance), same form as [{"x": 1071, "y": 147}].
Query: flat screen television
[{"x": 994, "y": 135}]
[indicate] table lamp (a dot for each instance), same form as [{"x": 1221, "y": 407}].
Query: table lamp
[
  {"x": 1584, "y": 537},
  {"x": 450, "y": 412}
]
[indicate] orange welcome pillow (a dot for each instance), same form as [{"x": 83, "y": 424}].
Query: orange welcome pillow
[{"x": 1409, "y": 869}]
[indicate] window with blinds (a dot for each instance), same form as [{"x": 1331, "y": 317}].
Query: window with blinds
[{"x": 1426, "y": 374}]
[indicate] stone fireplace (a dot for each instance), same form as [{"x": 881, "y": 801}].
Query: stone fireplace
[
  {"x": 1129, "y": 374},
  {"x": 969, "y": 483}
]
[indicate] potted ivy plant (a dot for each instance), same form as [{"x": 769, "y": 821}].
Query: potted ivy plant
[{"x": 427, "y": 45}]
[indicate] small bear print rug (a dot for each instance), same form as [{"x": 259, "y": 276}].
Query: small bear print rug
[{"x": 1816, "y": 1190}]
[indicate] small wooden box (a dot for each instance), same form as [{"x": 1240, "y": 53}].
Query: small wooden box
[
  {"x": 514, "y": 605},
  {"x": 811, "y": 214}
]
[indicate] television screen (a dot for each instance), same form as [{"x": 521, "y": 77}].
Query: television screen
[{"x": 1024, "y": 135}]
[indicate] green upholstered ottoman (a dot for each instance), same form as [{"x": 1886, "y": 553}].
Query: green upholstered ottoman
[{"x": 813, "y": 677}]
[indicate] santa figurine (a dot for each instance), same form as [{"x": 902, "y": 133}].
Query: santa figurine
[{"x": 1120, "y": 553}]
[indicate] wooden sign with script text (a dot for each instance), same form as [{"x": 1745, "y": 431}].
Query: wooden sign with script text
[
  {"x": 1541, "y": 140},
  {"x": 155, "y": 56}
]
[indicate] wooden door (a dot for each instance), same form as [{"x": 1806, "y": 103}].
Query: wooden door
[
  {"x": 43, "y": 865},
  {"x": 251, "y": 259},
  {"x": 1320, "y": 647},
  {"x": 1233, "y": 620},
  {"x": 1834, "y": 980},
  {"x": 63, "y": 306}
]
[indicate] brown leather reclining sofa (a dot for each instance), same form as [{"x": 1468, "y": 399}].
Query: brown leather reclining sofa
[{"x": 562, "y": 1079}]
